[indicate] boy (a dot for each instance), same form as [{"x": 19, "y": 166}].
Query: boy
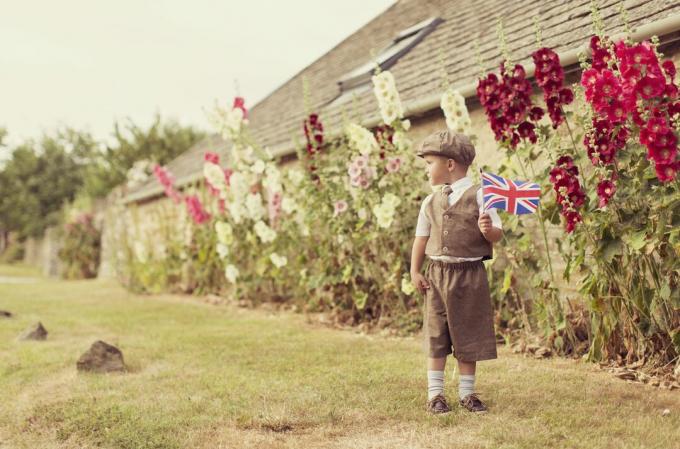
[{"x": 457, "y": 236}]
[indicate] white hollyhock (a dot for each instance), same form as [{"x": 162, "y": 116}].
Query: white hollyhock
[
  {"x": 225, "y": 233},
  {"x": 264, "y": 232},
  {"x": 385, "y": 90},
  {"x": 361, "y": 139},
  {"x": 278, "y": 261},
  {"x": 455, "y": 111},
  {"x": 215, "y": 176},
  {"x": 231, "y": 273},
  {"x": 254, "y": 206}
]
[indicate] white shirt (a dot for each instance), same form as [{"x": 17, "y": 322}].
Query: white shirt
[{"x": 457, "y": 189}]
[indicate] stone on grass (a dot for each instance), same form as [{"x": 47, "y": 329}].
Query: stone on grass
[
  {"x": 35, "y": 332},
  {"x": 101, "y": 358},
  {"x": 5, "y": 314}
]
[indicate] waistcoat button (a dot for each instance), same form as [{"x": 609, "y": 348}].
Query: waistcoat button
[
  {"x": 446, "y": 216},
  {"x": 445, "y": 248},
  {"x": 446, "y": 232}
]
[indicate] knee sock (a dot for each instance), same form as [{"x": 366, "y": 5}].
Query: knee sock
[
  {"x": 435, "y": 383},
  {"x": 466, "y": 385}
]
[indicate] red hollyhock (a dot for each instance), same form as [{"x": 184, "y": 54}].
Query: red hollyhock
[
  {"x": 570, "y": 195},
  {"x": 508, "y": 107},
  {"x": 605, "y": 191},
  {"x": 667, "y": 172},
  {"x": 549, "y": 76}
]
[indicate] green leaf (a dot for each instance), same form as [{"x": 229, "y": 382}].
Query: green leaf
[
  {"x": 665, "y": 291},
  {"x": 637, "y": 240},
  {"x": 507, "y": 280},
  {"x": 612, "y": 248},
  {"x": 360, "y": 299},
  {"x": 347, "y": 273}
]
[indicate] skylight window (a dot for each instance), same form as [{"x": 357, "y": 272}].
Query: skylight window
[{"x": 402, "y": 44}]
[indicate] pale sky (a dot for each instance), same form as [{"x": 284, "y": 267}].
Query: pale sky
[{"x": 86, "y": 63}]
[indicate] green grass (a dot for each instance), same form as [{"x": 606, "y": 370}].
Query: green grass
[{"x": 220, "y": 376}]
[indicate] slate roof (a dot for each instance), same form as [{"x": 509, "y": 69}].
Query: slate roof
[{"x": 468, "y": 34}]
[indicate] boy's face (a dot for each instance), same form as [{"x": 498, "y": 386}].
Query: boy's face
[{"x": 439, "y": 169}]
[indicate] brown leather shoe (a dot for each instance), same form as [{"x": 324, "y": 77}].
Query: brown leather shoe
[
  {"x": 438, "y": 405},
  {"x": 472, "y": 403}
]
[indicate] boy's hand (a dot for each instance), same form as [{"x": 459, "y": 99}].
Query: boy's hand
[
  {"x": 484, "y": 223},
  {"x": 420, "y": 282}
]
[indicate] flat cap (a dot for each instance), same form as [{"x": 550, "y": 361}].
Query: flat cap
[{"x": 448, "y": 144}]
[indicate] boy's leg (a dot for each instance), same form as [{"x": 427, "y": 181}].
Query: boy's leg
[
  {"x": 435, "y": 376},
  {"x": 466, "y": 383},
  {"x": 466, "y": 388}
]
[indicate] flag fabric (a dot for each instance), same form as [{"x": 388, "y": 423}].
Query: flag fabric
[{"x": 515, "y": 197}]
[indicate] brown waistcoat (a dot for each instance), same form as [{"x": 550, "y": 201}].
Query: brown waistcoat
[{"x": 453, "y": 229}]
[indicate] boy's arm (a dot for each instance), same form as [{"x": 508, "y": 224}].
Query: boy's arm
[
  {"x": 491, "y": 233},
  {"x": 417, "y": 257}
]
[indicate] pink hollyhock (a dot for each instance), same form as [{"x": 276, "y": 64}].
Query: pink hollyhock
[
  {"x": 212, "y": 157},
  {"x": 166, "y": 179},
  {"x": 339, "y": 207},
  {"x": 195, "y": 209},
  {"x": 393, "y": 164},
  {"x": 274, "y": 206},
  {"x": 239, "y": 103}
]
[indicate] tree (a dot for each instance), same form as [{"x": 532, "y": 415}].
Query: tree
[{"x": 160, "y": 143}]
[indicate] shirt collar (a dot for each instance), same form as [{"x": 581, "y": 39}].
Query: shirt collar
[{"x": 462, "y": 183}]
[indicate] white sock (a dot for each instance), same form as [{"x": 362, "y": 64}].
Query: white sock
[
  {"x": 435, "y": 383},
  {"x": 466, "y": 385}
]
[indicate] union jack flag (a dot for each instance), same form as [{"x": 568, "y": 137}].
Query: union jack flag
[{"x": 515, "y": 197}]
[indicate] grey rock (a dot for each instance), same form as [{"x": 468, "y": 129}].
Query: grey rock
[
  {"x": 35, "y": 332},
  {"x": 101, "y": 358}
]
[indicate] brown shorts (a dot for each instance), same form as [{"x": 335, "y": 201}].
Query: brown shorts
[{"x": 458, "y": 312}]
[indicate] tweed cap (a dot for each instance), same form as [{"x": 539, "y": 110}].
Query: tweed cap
[{"x": 448, "y": 144}]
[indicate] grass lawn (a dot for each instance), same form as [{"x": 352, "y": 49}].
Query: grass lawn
[{"x": 223, "y": 377}]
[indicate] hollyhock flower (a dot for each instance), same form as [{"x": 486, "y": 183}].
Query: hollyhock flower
[
  {"x": 353, "y": 171},
  {"x": 605, "y": 191},
  {"x": 572, "y": 218},
  {"x": 607, "y": 86},
  {"x": 339, "y": 207},
  {"x": 195, "y": 208},
  {"x": 254, "y": 206},
  {"x": 650, "y": 86},
  {"x": 361, "y": 139},
  {"x": 361, "y": 162},
  {"x": 225, "y": 233},
  {"x": 507, "y": 104},
  {"x": 215, "y": 178},
  {"x": 455, "y": 111},
  {"x": 264, "y": 232},
  {"x": 211, "y": 157},
  {"x": 570, "y": 195},
  {"x": 240, "y": 103},
  {"x": 669, "y": 67},
  {"x": 667, "y": 172},
  {"x": 278, "y": 261},
  {"x": 231, "y": 273},
  {"x": 657, "y": 125},
  {"x": 385, "y": 90},
  {"x": 313, "y": 129},
  {"x": 166, "y": 179},
  {"x": 663, "y": 153},
  {"x": 274, "y": 201},
  {"x": 393, "y": 164},
  {"x": 600, "y": 54}
]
